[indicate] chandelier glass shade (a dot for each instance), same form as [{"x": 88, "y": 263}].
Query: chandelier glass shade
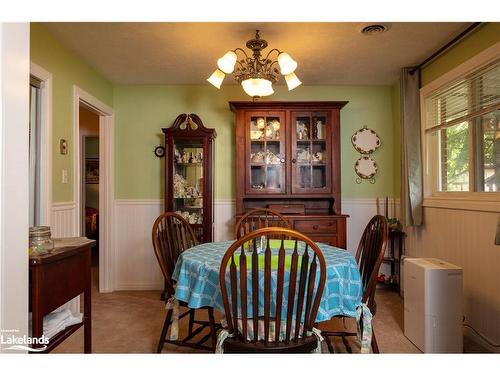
[
  {"x": 256, "y": 73},
  {"x": 216, "y": 78}
]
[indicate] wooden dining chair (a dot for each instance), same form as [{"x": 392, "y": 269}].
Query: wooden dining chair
[
  {"x": 299, "y": 277},
  {"x": 257, "y": 219},
  {"x": 172, "y": 234},
  {"x": 369, "y": 257}
]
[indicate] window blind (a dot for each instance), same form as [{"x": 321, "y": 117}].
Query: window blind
[
  {"x": 35, "y": 82},
  {"x": 470, "y": 96}
]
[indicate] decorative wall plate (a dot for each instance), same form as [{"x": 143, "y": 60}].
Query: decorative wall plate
[
  {"x": 365, "y": 140},
  {"x": 366, "y": 168}
]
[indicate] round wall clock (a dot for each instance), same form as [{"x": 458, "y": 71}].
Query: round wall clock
[
  {"x": 159, "y": 151},
  {"x": 365, "y": 140}
]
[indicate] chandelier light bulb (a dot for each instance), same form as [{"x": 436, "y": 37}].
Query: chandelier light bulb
[
  {"x": 216, "y": 78},
  {"x": 286, "y": 63},
  {"x": 226, "y": 62},
  {"x": 292, "y": 81},
  {"x": 257, "y": 87}
]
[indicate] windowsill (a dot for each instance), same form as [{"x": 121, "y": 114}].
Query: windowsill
[{"x": 485, "y": 202}]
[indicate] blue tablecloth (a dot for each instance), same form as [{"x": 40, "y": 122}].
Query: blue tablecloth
[{"x": 197, "y": 275}]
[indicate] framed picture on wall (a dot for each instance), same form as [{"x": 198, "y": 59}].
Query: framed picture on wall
[{"x": 92, "y": 170}]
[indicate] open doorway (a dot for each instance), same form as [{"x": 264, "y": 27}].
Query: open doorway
[
  {"x": 89, "y": 180},
  {"x": 94, "y": 182}
]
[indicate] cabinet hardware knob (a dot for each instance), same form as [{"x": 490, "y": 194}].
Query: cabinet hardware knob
[
  {"x": 294, "y": 160},
  {"x": 315, "y": 227}
]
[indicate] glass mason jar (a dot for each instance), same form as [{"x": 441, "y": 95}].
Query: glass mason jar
[{"x": 40, "y": 241}]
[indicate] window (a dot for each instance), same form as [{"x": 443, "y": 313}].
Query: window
[
  {"x": 462, "y": 126},
  {"x": 34, "y": 151}
]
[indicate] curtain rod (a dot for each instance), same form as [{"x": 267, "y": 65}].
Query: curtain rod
[{"x": 447, "y": 46}]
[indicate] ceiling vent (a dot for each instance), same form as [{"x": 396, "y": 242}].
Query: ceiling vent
[{"x": 374, "y": 29}]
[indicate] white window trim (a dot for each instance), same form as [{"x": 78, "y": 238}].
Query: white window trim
[
  {"x": 474, "y": 201},
  {"x": 46, "y": 142}
]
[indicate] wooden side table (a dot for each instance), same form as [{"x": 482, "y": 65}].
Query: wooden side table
[
  {"x": 396, "y": 250},
  {"x": 57, "y": 278}
]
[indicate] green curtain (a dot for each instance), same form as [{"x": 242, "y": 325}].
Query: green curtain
[{"x": 411, "y": 168}]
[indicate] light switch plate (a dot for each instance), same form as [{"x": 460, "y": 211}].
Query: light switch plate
[{"x": 64, "y": 176}]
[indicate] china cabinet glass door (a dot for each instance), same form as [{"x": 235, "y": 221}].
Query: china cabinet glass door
[
  {"x": 265, "y": 153},
  {"x": 188, "y": 181},
  {"x": 311, "y": 153}
]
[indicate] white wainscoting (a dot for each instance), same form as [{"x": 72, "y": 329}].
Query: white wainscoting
[
  {"x": 466, "y": 238},
  {"x": 136, "y": 267},
  {"x": 63, "y": 219},
  {"x": 360, "y": 211},
  {"x": 63, "y": 224}
]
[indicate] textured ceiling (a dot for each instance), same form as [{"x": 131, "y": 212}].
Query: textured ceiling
[{"x": 186, "y": 53}]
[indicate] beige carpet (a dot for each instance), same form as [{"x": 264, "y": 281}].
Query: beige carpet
[{"x": 131, "y": 322}]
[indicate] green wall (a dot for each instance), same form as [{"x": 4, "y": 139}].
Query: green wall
[
  {"x": 481, "y": 39},
  {"x": 67, "y": 69},
  {"x": 141, "y": 112}
]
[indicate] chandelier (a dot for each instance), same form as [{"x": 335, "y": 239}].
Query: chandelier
[{"x": 255, "y": 73}]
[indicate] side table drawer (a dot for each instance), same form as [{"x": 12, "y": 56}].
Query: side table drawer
[{"x": 316, "y": 226}]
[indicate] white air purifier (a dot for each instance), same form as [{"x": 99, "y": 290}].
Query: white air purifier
[{"x": 433, "y": 294}]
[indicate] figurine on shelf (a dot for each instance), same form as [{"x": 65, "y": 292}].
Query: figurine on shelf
[
  {"x": 261, "y": 123},
  {"x": 198, "y": 158},
  {"x": 177, "y": 155},
  {"x": 317, "y": 157},
  {"x": 182, "y": 188},
  {"x": 302, "y": 130},
  {"x": 319, "y": 130},
  {"x": 271, "y": 158},
  {"x": 303, "y": 156},
  {"x": 180, "y": 185},
  {"x": 276, "y": 127},
  {"x": 257, "y": 157},
  {"x": 256, "y": 135},
  {"x": 270, "y": 132}
]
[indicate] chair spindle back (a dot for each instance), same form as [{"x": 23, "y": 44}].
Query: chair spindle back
[
  {"x": 257, "y": 219},
  {"x": 306, "y": 275},
  {"x": 370, "y": 254},
  {"x": 172, "y": 234}
]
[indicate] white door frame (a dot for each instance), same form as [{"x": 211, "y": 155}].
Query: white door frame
[
  {"x": 14, "y": 182},
  {"x": 46, "y": 142},
  {"x": 106, "y": 182}
]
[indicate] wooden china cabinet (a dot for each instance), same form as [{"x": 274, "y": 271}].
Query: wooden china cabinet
[
  {"x": 288, "y": 159},
  {"x": 189, "y": 156}
]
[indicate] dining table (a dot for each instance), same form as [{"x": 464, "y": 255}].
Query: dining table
[{"x": 197, "y": 275}]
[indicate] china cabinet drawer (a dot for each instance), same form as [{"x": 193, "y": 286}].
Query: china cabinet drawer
[{"x": 316, "y": 226}]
